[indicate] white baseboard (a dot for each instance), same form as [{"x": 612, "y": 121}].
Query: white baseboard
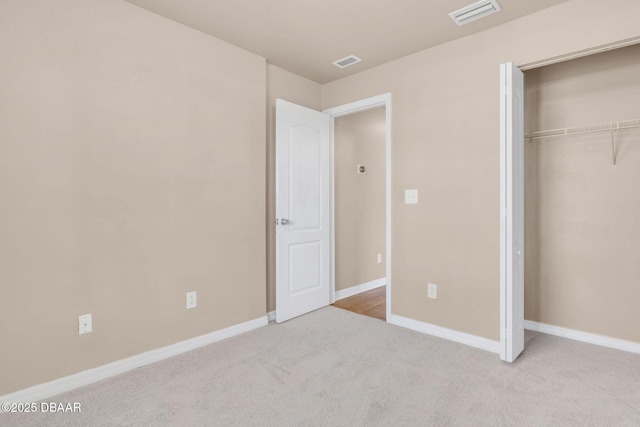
[
  {"x": 358, "y": 289},
  {"x": 271, "y": 316},
  {"x": 587, "y": 337},
  {"x": 448, "y": 334},
  {"x": 55, "y": 387}
]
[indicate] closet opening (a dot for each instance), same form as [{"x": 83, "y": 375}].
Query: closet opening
[{"x": 582, "y": 198}]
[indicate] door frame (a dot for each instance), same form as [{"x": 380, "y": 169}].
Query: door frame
[{"x": 383, "y": 100}]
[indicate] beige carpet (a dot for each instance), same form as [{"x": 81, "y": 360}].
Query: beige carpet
[{"x": 336, "y": 368}]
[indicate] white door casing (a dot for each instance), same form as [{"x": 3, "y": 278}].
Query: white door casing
[
  {"x": 383, "y": 100},
  {"x": 511, "y": 212},
  {"x": 302, "y": 210}
]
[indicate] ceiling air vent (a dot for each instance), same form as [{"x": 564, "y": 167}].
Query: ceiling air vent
[
  {"x": 346, "y": 62},
  {"x": 475, "y": 11}
]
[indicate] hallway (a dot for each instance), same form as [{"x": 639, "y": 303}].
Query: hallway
[{"x": 371, "y": 303}]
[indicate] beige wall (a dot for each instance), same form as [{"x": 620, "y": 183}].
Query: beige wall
[
  {"x": 291, "y": 87},
  {"x": 359, "y": 198},
  {"x": 132, "y": 165},
  {"x": 445, "y": 122},
  {"x": 582, "y": 229}
]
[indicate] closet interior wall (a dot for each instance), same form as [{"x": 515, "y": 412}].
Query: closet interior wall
[{"x": 583, "y": 216}]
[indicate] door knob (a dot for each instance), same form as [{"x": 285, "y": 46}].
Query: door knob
[{"x": 285, "y": 221}]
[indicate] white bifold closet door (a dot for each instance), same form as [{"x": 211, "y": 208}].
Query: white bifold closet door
[{"x": 511, "y": 212}]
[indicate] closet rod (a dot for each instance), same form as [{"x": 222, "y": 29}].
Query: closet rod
[{"x": 607, "y": 127}]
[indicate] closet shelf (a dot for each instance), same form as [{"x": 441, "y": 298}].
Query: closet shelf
[{"x": 607, "y": 127}]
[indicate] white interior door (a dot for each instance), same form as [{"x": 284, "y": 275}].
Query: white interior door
[
  {"x": 511, "y": 212},
  {"x": 303, "y": 209}
]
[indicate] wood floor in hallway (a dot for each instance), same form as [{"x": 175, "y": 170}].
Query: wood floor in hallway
[{"x": 372, "y": 303}]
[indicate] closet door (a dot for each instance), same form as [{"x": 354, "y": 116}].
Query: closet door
[{"x": 511, "y": 212}]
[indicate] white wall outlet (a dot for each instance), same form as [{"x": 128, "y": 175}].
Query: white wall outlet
[
  {"x": 85, "y": 324},
  {"x": 432, "y": 291},
  {"x": 411, "y": 197},
  {"x": 192, "y": 299},
  {"x": 379, "y": 258}
]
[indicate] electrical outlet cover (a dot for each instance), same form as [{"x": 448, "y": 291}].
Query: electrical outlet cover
[
  {"x": 192, "y": 299},
  {"x": 85, "y": 324},
  {"x": 432, "y": 291}
]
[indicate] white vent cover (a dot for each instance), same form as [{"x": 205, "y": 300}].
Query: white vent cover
[
  {"x": 475, "y": 11},
  {"x": 346, "y": 62}
]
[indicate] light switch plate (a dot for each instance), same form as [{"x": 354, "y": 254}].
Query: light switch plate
[{"x": 411, "y": 197}]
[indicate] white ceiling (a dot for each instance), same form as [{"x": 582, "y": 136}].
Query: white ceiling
[{"x": 306, "y": 36}]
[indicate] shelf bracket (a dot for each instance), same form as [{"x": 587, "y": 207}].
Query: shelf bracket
[{"x": 614, "y": 153}]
